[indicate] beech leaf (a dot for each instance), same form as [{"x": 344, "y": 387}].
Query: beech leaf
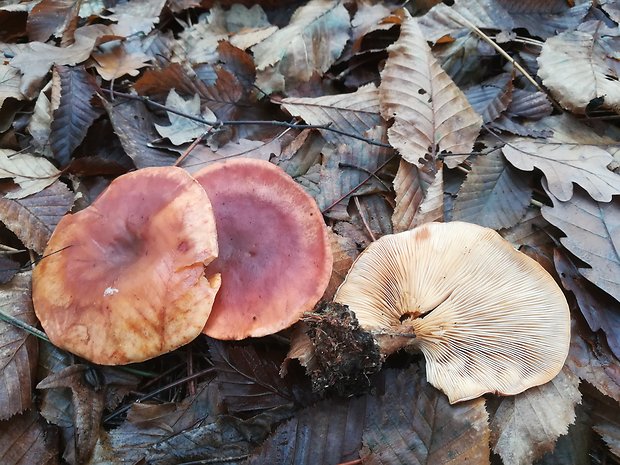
[
  {"x": 75, "y": 113},
  {"x": 492, "y": 97},
  {"x": 431, "y": 114},
  {"x": 526, "y": 426},
  {"x": 565, "y": 163},
  {"x": 353, "y": 113},
  {"x": 49, "y": 17},
  {"x": 592, "y": 234},
  {"x": 26, "y": 440},
  {"x": 18, "y": 349},
  {"x": 578, "y": 67},
  {"x": 413, "y": 423},
  {"x": 494, "y": 194},
  {"x": 33, "y": 219},
  {"x": 31, "y": 172}
]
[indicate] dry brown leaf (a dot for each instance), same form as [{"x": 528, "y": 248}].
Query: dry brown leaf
[
  {"x": 31, "y": 172},
  {"x": 592, "y": 234},
  {"x": 611, "y": 435},
  {"x": 181, "y": 129},
  {"x": 18, "y": 350},
  {"x": 566, "y": 163},
  {"x": 431, "y": 114},
  {"x": 118, "y": 60},
  {"x": 311, "y": 42},
  {"x": 491, "y": 98},
  {"x": 26, "y": 440},
  {"x": 353, "y": 113},
  {"x": 135, "y": 17},
  {"x": 10, "y": 81},
  {"x": 344, "y": 251},
  {"x": 529, "y": 231},
  {"x": 50, "y": 17},
  {"x": 580, "y": 66},
  {"x": 525, "y": 426},
  {"x": 413, "y": 424},
  {"x": 419, "y": 195},
  {"x": 494, "y": 194},
  {"x": 32, "y": 219}
]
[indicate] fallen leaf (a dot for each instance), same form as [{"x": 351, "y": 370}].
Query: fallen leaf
[
  {"x": 344, "y": 252},
  {"x": 10, "y": 81},
  {"x": 574, "y": 447},
  {"x": 119, "y": 60},
  {"x": 181, "y": 129},
  {"x": 413, "y": 423},
  {"x": 491, "y": 98},
  {"x": 592, "y": 233},
  {"x": 138, "y": 16},
  {"x": 49, "y": 17},
  {"x": 564, "y": 164},
  {"x": 531, "y": 230},
  {"x": 329, "y": 432},
  {"x": 431, "y": 114},
  {"x": 494, "y": 195},
  {"x": 75, "y": 114},
  {"x": 311, "y": 42},
  {"x": 18, "y": 349},
  {"x": 302, "y": 153},
  {"x": 202, "y": 155},
  {"x": 525, "y": 426},
  {"x": 419, "y": 195},
  {"x": 39, "y": 126},
  {"x": 353, "y": 113},
  {"x": 580, "y": 66},
  {"x": 33, "y": 219},
  {"x": 26, "y": 440},
  {"x": 31, "y": 172},
  {"x": 611, "y": 435}
]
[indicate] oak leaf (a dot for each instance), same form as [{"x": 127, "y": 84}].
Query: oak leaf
[{"x": 182, "y": 129}]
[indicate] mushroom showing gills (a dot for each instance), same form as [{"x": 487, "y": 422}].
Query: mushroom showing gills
[
  {"x": 275, "y": 257},
  {"x": 486, "y": 317},
  {"x": 123, "y": 280}
]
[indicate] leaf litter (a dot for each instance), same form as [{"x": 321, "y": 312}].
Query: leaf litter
[{"x": 390, "y": 118}]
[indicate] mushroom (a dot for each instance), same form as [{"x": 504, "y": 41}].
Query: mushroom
[
  {"x": 486, "y": 317},
  {"x": 275, "y": 258},
  {"x": 123, "y": 280}
]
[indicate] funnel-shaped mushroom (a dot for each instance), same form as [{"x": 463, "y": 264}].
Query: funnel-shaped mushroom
[
  {"x": 275, "y": 257},
  {"x": 487, "y": 317},
  {"x": 123, "y": 280}
]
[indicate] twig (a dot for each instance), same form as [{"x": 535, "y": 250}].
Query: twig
[
  {"x": 23, "y": 325},
  {"x": 366, "y": 225},
  {"x": 284, "y": 124}
]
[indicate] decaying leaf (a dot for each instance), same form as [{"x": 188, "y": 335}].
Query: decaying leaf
[
  {"x": 611, "y": 435},
  {"x": 33, "y": 219},
  {"x": 431, "y": 115},
  {"x": 566, "y": 163},
  {"x": 581, "y": 66},
  {"x": 525, "y": 426},
  {"x": 412, "y": 423},
  {"x": 9, "y": 83},
  {"x": 419, "y": 195},
  {"x": 491, "y": 98},
  {"x": 344, "y": 251},
  {"x": 75, "y": 114},
  {"x": 32, "y": 173},
  {"x": 328, "y": 432},
  {"x": 120, "y": 60},
  {"x": 494, "y": 194},
  {"x": 592, "y": 233},
  {"x": 18, "y": 350},
  {"x": 26, "y": 440},
  {"x": 49, "y": 17},
  {"x": 353, "y": 113}
]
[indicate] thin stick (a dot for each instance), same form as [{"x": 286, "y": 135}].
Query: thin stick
[
  {"x": 23, "y": 325},
  {"x": 366, "y": 225}
]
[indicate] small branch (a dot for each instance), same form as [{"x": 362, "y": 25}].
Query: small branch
[
  {"x": 23, "y": 325},
  {"x": 284, "y": 124}
]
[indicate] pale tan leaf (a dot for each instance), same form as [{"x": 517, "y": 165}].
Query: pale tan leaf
[
  {"x": 494, "y": 194},
  {"x": 431, "y": 114},
  {"x": 18, "y": 350},
  {"x": 592, "y": 234},
  {"x": 344, "y": 251},
  {"x": 414, "y": 424},
  {"x": 135, "y": 17},
  {"x": 119, "y": 60},
  {"x": 181, "y": 129},
  {"x": 579, "y": 66},
  {"x": 26, "y": 440},
  {"x": 39, "y": 126},
  {"x": 33, "y": 218},
  {"x": 10, "y": 80},
  {"x": 566, "y": 163},
  {"x": 203, "y": 156},
  {"x": 530, "y": 230},
  {"x": 353, "y": 113},
  {"x": 525, "y": 426},
  {"x": 32, "y": 173},
  {"x": 311, "y": 42},
  {"x": 419, "y": 195}
]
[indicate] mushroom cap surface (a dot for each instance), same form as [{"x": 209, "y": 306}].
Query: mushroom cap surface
[
  {"x": 486, "y": 317},
  {"x": 275, "y": 258},
  {"x": 123, "y": 280}
]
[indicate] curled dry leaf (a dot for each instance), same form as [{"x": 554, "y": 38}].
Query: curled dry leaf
[
  {"x": 32, "y": 219},
  {"x": 526, "y": 426},
  {"x": 494, "y": 194},
  {"x": 431, "y": 115},
  {"x": 592, "y": 233},
  {"x": 579, "y": 66},
  {"x": 18, "y": 350}
]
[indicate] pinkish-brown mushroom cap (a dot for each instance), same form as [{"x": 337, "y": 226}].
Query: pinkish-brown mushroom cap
[
  {"x": 487, "y": 317},
  {"x": 275, "y": 258},
  {"x": 123, "y": 280}
]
